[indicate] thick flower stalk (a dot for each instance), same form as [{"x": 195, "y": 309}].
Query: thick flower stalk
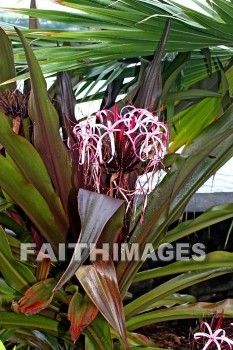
[{"x": 117, "y": 150}]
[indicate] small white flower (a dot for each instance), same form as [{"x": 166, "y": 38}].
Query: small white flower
[{"x": 217, "y": 337}]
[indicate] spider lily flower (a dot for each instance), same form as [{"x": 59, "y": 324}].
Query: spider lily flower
[
  {"x": 210, "y": 339},
  {"x": 15, "y": 105},
  {"x": 117, "y": 149}
]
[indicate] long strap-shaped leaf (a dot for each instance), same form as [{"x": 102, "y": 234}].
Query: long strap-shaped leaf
[
  {"x": 31, "y": 201},
  {"x": 100, "y": 283},
  {"x": 98, "y": 335},
  {"x": 33, "y": 22},
  {"x": 11, "y": 320},
  {"x": 46, "y": 129},
  {"x": 31, "y": 165},
  {"x": 151, "y": 89},
  {"x": 173, "y": 285},
  {"x": 17, "y": 275},
  {"x": 95, "y": 210},
  {"x": 7, "y": 67},
  {"x": 191, "y": 169},
  {"x": 196, "y": 310},
  {"x": 212, "y": 260}
]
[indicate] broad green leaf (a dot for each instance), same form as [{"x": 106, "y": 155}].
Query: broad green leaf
[
  {"x": 173, "y": 285},
  {"x": 90, "y": 205},
  {"x": 31, "y": 201},
  {"x": 97, "y": 335},
  {"x": 196, "y": 310},
  {"x": 191, "y": 169},
  {"x": 226, "y": 7},
  {"x": 220, "y": 28},
  {"x": 190, "y": 122},
  {"x": 7, "y": 67},
  {"x": 100, "y": 283},
  {"x": 47, "y": 139},
  {"x": 16, "y": 275},
  {"x": 190, "y": 94},
  {"x": 31, "y": 165},
  {"x": 223, "y": 11},
  {"x": 174, "y": 299},
  {"x": 212, "y": 260},
  {"x": 210, "y": 217},
  {"x": 5, "y": 288},
  {"x": 141, "y": 26},
  {"x": 11, "y": 320}
]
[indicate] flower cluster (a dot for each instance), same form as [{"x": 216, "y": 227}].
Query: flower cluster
[
  {"x": 14, "y": 103},
  {"x": 117, "y": 149}
]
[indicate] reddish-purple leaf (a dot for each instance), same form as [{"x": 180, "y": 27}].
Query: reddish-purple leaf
[
  {"x": 151, "y": 88},
  {"x": 65, "y": 99},
  {"x": 81, "y": 313},
  {"x": 100, "y": 283},
  {"x": 33, "y": 22},
  {"x": 95, "y": 210},
  {"x": 47, "y": 138}
]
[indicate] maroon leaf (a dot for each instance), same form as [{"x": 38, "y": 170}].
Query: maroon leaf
[
  {"x": 65, "y": 99},
  {"x": 95, "y": 210},
  {"x": 151, "y": 88},
  {"x": 47, "y": 138},
  {"x": 33, "y": 22},
  {"x": 100, "y": 283},
  {"x": 65, "y": 105}
]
